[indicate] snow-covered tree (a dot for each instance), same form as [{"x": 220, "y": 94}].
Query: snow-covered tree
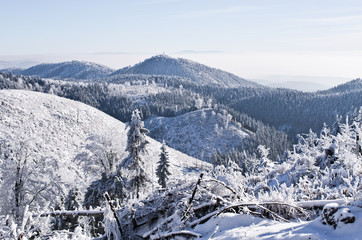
[
  {"x": 163, "y": 166},
  {"x": 73, "y": 201},
  {"x": 265, "y": 164},
  {"x": 25, "y": 180},
  {"x": 136, "y": 145},
  {"x": 113, "y": 184},
  {"x": 199, "y": 102},
  {"x": 100, "y": 155}
]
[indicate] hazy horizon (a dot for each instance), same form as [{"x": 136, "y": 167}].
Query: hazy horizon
[{"x": 251, "y": 39}]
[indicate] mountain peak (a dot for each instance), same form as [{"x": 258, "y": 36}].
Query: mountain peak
[{"x": 201, "y": 74}]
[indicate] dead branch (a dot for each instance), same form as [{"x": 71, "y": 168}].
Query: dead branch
[
  {"x": 192, "y": 198},
  {"x": 167, "y": 220},
  {"x": 194, "y": 192},
  {"x": 114, "y": 212},
  {"x": 272, "y": 213}
]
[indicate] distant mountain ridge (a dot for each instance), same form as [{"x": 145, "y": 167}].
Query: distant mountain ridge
[
  {"x": 156, "y": 65},
  {"x": 64, "y": 70},
  {"x": 300, "y": 86},
  {"x": 198, "y": 73}
]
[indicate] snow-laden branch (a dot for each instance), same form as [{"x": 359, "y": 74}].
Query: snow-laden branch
[{"x": 224, "y": 185}]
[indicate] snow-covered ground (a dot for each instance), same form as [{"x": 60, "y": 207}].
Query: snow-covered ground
[{"x": 229, "y": 226}]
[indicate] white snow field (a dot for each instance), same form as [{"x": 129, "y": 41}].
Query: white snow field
[{"x": 229, "y": 226}]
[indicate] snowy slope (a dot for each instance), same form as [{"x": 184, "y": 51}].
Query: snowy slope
[
  {"x": 74, "y": 134},
  {"x": 194, "y": 132},
  {"x": 73, "y": 69},
  {"x": 198, "y": 73}
]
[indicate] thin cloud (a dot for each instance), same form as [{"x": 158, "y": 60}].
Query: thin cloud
[
  {"x": 117, "y": 53},
  {"x": 213, "y": 12},
  {"x": 332, "y": 20},
  {"x": 161, "y": 1},
  {"x": 198, "y": 52}
]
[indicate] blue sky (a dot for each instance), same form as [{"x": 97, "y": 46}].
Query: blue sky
[{"x": 251, "y": 38}]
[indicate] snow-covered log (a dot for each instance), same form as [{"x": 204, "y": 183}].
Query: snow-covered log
[
  {"x": 321, "y": 203},
  {"x": 71, "y": 213},
  {"x": 262, "y": 206}
]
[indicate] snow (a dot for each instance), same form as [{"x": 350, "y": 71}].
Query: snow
[
  {"x": 241, "y": 227},
  {"x": 74, "y": 135}
]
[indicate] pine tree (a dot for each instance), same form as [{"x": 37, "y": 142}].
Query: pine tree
[
  {"x": 136, "y": 145},
  {"x": 163, "y": 166}
]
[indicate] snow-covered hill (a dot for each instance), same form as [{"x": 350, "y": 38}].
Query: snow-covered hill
[
  {"x": 63, "y": 70},
  {"x": 198, "y": 73},
  {"x": 73, "y": 136},
  {"x": 199, "y": 133}
]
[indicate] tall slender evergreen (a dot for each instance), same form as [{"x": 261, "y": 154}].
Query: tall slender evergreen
[
  {"x": 163, "y": 166},
  {"x": 136, "y": 145}
]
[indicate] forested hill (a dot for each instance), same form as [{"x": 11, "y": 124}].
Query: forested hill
[
  {"x": 260, "y": 110},
  {"x": 153, "y": 97},
  {"x": 65, "y": 70},
  {"x": 289, "y": 110},
  {"x": 69, "y": 145},
  {"x": 198, "y": 73},
  {"x": 351, "y": 86}
]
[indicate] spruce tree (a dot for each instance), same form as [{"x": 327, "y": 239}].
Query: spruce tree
[
  {"x": 163, "y": 166},
  {"x": 136, "y": 144}
]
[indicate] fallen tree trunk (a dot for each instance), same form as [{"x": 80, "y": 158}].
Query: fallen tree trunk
[
  {"x": 255, "y": 205},
  {"x": 73, "y": 213},
  {"x": 321, "y": 203}
]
